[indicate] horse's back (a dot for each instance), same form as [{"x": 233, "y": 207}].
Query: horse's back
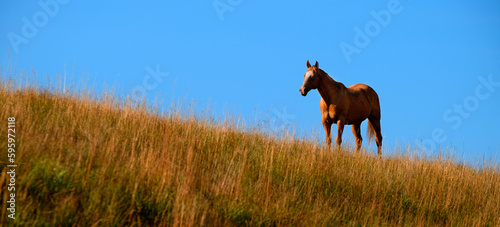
[
  {"x": 364, "y": 91},
  {"x": 361, "y": 87}
]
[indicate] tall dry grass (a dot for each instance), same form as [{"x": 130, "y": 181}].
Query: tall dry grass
[{"x": 101, "y": 162}]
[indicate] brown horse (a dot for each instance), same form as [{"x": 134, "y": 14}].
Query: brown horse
[{"x": 344, "y": 106}]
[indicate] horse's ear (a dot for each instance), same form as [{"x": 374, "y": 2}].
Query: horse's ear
[
  {"x": 316, "y": 65},
  {"x": 308, "y": 64}
]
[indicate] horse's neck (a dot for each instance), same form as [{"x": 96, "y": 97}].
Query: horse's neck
[{"x": 329, "y": 88}]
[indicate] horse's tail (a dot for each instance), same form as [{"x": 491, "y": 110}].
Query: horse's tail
[{"x": 370, "y": 131}]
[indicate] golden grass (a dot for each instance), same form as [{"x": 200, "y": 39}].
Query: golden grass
[{"x": 85, "y": 162}]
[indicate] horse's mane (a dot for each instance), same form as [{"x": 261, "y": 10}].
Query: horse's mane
[{"x": 337, "y": 85}]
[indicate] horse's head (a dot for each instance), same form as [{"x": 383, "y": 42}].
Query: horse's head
[{"x": 311, "y": 80}]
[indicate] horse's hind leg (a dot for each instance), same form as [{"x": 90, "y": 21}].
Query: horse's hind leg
[
  {"x": 356, "y": 130},
  {"x": 378, "y": 134}
]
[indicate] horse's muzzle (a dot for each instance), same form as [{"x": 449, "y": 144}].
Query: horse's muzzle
[{"x": 303, "y": 91}]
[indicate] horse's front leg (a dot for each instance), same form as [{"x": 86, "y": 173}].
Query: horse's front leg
[
  {"x": 328, "y": 127},
  {"x": 340, "y": 130}
]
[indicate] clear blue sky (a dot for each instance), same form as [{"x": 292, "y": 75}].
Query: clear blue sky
[{"x": 434, "y": 64}]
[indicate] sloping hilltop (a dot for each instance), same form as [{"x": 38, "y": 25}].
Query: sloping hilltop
[{"x": 83, "y": 161}]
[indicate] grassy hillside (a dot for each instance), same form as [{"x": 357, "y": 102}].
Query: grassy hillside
[{"x": 97, "y": 162}]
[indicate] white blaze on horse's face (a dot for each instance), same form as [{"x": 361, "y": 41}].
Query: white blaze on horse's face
[
  {"x": 308, "y": 75},
  {"x": 308, "y": 82}
]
